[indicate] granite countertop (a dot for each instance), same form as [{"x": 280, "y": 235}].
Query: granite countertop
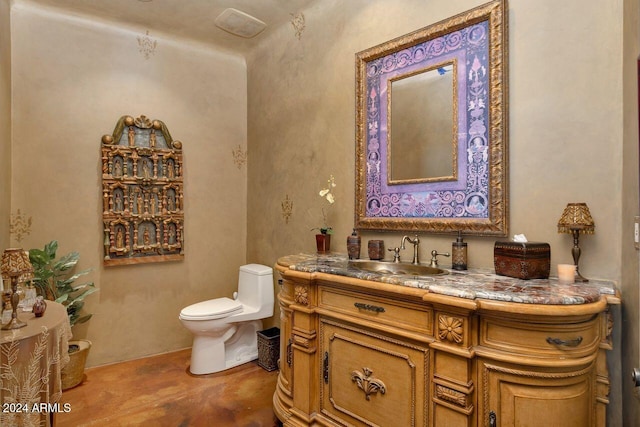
[{"x": 469, "y": 284}]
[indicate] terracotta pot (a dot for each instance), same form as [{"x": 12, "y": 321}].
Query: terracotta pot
[{"x": 323, "y": 243}]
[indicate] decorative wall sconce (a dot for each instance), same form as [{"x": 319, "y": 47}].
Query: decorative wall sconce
[
  {"x": 576, "y": 219},
  {"x": 147, "y": 45},
  {"x": 17, "y": 268},
  {"x": 239, "y": 156},
  {"x": 287, "y": 209},
  {"x": 297, "y": 21},
  {"x": 20, "y": 225}
]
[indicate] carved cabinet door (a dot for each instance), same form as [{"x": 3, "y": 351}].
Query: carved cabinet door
[
  {"x": 520, "y": 396},
  {"x": 371, "y": 379}
]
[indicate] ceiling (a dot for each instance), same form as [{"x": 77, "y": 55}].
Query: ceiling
[{"x": 190, "y": 19}]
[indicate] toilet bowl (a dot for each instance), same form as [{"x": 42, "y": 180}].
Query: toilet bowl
[{"x": 224, "y": 329}]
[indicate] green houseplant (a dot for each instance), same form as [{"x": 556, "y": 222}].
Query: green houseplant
[{"x": 55, "y": 280}]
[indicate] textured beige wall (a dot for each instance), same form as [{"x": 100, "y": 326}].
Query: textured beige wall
[
  {"x": 72, "y": 81},
  {"x": 5, "y": 122},
  {"x": 566, "y": 134},
  {"x": 565, "y": 115},
  {"x": 573, "y": 137},
  {"x": 630, "y": 332}
]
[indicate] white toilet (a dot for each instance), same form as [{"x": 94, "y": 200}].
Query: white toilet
[{"x": 224, "y": 329}]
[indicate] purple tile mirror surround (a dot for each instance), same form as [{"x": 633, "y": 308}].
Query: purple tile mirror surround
[{"x": 473, "y": 200}]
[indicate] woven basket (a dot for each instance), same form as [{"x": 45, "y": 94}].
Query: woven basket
[{"x": 73, "y": 372}]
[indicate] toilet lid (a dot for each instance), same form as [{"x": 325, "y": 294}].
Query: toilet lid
[{"x": 211, "y": 309}]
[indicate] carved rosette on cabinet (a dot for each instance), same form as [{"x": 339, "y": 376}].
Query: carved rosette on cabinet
[
  {"x": 142, "y": 193},
  {"x": 302, "y": 295},
  {"x": 450, "y": 329}
]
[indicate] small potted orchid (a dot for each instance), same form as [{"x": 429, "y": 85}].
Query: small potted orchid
[{"x": 323, "y": 239}]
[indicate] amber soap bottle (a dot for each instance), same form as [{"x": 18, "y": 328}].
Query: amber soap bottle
[{"x": 353, "y": 245}]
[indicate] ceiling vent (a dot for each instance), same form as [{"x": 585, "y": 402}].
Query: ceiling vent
[{"x": 239, "y": 23}]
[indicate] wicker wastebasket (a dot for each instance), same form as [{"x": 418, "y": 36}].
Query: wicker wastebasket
[
  {"x": 269, "y": 348},
  {"x": 73, "y": 372}
]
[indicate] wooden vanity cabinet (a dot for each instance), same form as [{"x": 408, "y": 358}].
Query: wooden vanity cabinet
[
  {"x": 362, "y": 353},
  {"x": 374, "y": 357},
  {"x": 550, "y": 367},
  {"x": 515, "y": 395},
  {"x": 369, "y": 378},
  {"x": 284, "y": 390}
]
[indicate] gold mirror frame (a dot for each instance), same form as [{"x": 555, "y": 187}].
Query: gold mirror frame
[{"x": 475, "y": 201}]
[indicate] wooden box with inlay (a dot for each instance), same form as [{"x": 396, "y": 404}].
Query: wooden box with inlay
[{"x": 522, "y": 260}]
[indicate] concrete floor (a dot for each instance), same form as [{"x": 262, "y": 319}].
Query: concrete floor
[{"x": 160, "y": 391}]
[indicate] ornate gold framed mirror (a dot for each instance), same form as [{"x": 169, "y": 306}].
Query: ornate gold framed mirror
[{"x": 432, "y": 127}]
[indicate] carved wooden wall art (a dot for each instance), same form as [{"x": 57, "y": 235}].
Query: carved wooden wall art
[{"x": 142, "y": 193}]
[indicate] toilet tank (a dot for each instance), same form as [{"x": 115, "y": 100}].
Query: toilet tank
[{"x": 255, "y": 288}]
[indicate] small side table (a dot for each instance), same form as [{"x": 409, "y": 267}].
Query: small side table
[{"x": 31, "y": 359}]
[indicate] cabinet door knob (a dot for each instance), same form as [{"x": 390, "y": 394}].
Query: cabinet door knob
[{"x": 566, "y": 343}]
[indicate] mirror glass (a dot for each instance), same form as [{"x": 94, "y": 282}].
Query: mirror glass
[
  {"x": 431, "y": 119},
  {"x": 422, "y": 140}
]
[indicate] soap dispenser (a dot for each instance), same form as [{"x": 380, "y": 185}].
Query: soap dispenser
[
  {"x": 353, "y": 245},
  {"x": 459, "y": 253}
]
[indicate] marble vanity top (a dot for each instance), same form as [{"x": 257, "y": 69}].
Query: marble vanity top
[{"x": 469, "y": 284}]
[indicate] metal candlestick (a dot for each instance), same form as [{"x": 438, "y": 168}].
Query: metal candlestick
[{"x": 15, "y": 323}]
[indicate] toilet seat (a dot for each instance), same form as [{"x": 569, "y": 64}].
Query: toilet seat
[{"x": 211, "y": 309}]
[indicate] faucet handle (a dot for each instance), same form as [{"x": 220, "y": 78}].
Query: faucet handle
[
  {"x": 434, "y": 257},
  {"x": 396, "y": 254}
]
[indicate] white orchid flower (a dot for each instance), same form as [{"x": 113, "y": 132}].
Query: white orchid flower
[{"x": 327, "y": 194}]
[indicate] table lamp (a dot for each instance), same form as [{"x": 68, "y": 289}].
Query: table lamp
[
  {"x": 576, "y": 219},
  {"x": 15, "y": 267}
]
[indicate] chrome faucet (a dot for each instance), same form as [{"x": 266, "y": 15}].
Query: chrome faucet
[{"x": 416, "y": 244}]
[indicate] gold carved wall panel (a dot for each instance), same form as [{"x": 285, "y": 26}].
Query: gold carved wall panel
[{"x": 142, "y": 193}]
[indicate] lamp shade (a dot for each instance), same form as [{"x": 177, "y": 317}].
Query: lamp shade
[
  {"x": 15, "y": 263},
  {"x": 576, "y": 216}
]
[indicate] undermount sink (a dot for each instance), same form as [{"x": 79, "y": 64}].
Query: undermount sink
[{"x": 383, "y": 267}]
